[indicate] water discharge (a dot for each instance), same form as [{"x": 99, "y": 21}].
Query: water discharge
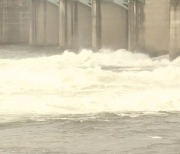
[{"x": 86, "y": 83}]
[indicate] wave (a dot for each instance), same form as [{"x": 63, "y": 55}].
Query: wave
[{"x": 88, "y": 82}]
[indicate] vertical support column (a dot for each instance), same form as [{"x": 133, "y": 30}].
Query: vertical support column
[
  {"x": 96, "y": 24},
  {"x": 172, "y": 32},
  {"x": 43, "y": 3},
  {"x": 74, "y": 21},
  {"x": 63, "y": 23},
  {"x": 38, "y": 26},
  {"x": 32, "y": 27},
  {"x": 174, "y": 49},
  {"x": 132, "y": 26},
  {"x": 2, "y": 21},
  {"x": 41, "y": 22}
]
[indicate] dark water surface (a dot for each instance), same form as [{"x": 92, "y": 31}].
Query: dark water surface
[{"x": 106, "y": 133}]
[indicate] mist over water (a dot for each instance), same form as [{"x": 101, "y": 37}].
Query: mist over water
[{"x": 87, "y": 83}]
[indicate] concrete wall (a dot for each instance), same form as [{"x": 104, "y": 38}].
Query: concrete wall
[
  {"x": 44, "y": 23},
  {"x": 136, "y": 27},
  {"x": 79, "y": 25},
  {"x": 174, "y": 29},
  {"x": 69, "y": 24},
  {"x": 157, "y": 25},
  {"x": 37, "y": 22},
  {"x": 77, "y": 20},
  {"x": 84, "y": 26},
  {"x": 28, "y": 21},
  {"x": 52, "y": 37},
  {"x": 1, "y": 22},
  {"x": 14, "y": 21},
  {"x": 114, "y": 25},
  {"x": 65, "y": 24},
  {"x": 149, "y": 27}
]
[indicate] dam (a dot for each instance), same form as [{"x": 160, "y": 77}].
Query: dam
[
  {"x": 148, "y": 26},
  {"x": 76, "y": 77}
]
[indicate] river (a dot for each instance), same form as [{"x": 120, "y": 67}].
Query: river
[{"x": 109, "y": 102}]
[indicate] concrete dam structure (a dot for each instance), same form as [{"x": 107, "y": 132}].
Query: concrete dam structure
[
  {"x": 14, "y": 21},
  {"x": 148, "y": 26},
  {"x": 71, "y": 24},
  {"x": 154, "y": 27},
  {"x": 43, "y": 23},
  {"x": 33, "y": 22},
  {"x": 92, "y": 25}
]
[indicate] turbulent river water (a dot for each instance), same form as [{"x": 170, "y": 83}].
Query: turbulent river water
[{"x": 109, "y": 102}]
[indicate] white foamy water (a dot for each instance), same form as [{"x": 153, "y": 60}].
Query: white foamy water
[{"x": 87, "y": 82}]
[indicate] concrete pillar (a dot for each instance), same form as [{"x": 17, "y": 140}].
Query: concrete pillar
[
  {"x": 84, "y": 26},
  {"x": 174, "y": 50},
  {"x": 44, "y": 21},
  {"x": 32, "y": 27},
  {"x": 74, "y": 21},
  {"x": 96, "y": 24},
  {"x": 149, "y": 26},
  {"x": 132, "y": 25},
  {"x": 38, "y": 22},
  {"x": 1, "y": 22},
  {"x": 114, "y": 25},
  {"x": 63, "y": 23}
]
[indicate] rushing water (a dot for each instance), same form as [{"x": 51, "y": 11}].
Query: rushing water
[{"x": 81, "y": 103}]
